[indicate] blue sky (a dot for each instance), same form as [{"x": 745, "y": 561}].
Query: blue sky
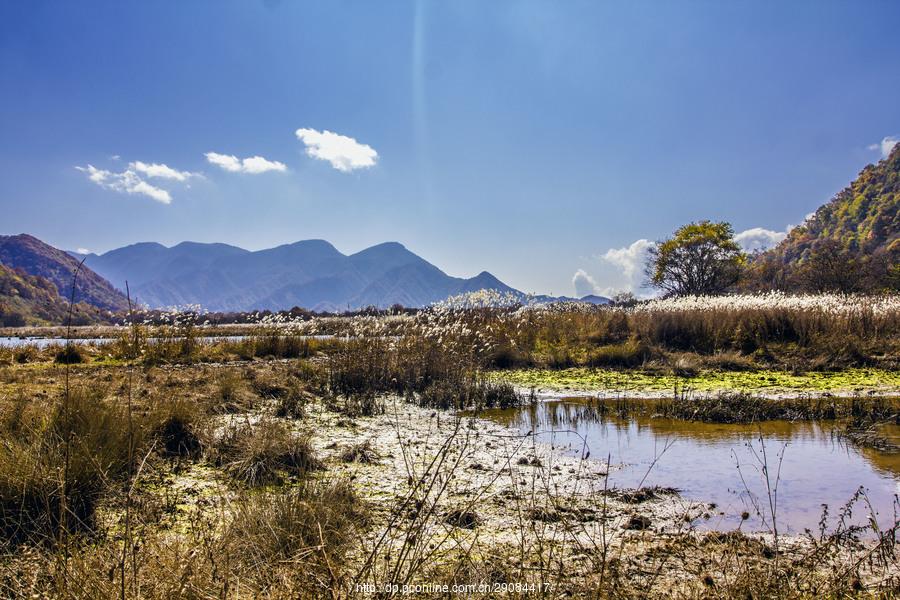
[{"x": 536, "y": 140}]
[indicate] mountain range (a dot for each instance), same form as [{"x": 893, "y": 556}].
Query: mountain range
[{"x": 311, "y": 274}]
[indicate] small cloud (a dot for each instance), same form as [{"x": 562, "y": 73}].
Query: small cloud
[
  {"x": 128, "y": 182},
  {"x": 82, "y": 251},
  {"x": 252, "y": 165},
  {"x": 344, "y": 153},
  {"x": 885, "y": 145},
  {"x": 98, "y": 176},
  {"x": 584, "y": 283},
  {"x": 759, "y": 238},
  {"x": 160, "y": 171},
  {"x": 630, "y": 259},
  {"x": 142, "y": 187}
]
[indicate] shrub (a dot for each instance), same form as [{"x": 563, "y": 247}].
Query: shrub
[
  {"x": 290, "y": 399},
  {"x": 26, "y": 354},
  {"x": 729, "y": 361},
  {"x": 498, "y": 395},
  {"x": 443, "y": 395},
  {"x": 12, "y": 319},
  {"x": 358, "y": 405},
  {"x": 293, "y": 404},
  {"x": 506, "y": 357},
  {"x": 69, "y": 355},
  {"x": 686, "y": 365},
  {"x": 178, "y": 428},
  {"x": 469, "y": 393},
  {"x": 274, "y": 345}
]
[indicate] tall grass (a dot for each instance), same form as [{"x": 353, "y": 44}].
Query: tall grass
[
  {"x": 832, "y": 329},
  {"x": 87, "y": 442}
]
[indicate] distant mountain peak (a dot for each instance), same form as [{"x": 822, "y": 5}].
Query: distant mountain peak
[
  {"x": 313, "y": 242},
  {"x": 144, "y": 245},
  {"x": 385, "y": 249},
  {"x": 389, "y": 245},
  {"x": 311, "y": 274},
  {"x": 187, "y": 244}
]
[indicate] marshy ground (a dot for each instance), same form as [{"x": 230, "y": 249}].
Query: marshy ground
[{"x": 275, "y": 465}]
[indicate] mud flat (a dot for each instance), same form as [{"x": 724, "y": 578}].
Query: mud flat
[{"x": 456, "y": 488}]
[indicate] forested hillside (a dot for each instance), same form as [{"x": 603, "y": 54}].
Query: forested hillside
[
  {"x": 33, "y": 300},
  {"x": 850, "y": 244},
  {"x": 32, "y": 256}
]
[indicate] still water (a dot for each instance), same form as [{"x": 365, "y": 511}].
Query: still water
[
  {"x": 722, "y": 463},
  {"x": 44, "y": 342}
]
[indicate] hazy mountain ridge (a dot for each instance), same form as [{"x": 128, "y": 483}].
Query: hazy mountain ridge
[{"x": 312, "y": 274}]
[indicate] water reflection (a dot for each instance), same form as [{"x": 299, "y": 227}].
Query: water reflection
[{"x": 721, "y": 463}]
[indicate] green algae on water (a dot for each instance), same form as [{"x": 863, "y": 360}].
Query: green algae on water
[{"x": 583, "y": 378}]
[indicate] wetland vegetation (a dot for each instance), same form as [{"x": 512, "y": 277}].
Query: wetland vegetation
[{"x": 436, "y": 448}]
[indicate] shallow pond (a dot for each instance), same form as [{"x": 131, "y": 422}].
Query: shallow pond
[
  {"x": 44, "y": 342},
  {"x": 722, "y": 463}
]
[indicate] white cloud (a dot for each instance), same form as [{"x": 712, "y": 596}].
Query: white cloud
[
  {"x": 160, "y": 171},
  {"x": 82, "y": 251},
  {"x": 616, "y": 270},
  {"x": 344, "y": 153},
  {"x": 630, "y": 260},
  {"x": 96, "y": 175},
  {"x": 128, "y": 182},
  {"x": 252, "y": 165},
  {"x": 885, "y": 145},
  {"x": 759, "y": 238},
  {"x": 142, "y": 187},
  {"x": 225, "y": 161},
  {"x": 584, "y": 283}
]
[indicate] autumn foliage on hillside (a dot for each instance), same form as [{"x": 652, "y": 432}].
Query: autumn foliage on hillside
[
  {"x": 850, "y": 244},
  {"x": 33, "y": 300}
]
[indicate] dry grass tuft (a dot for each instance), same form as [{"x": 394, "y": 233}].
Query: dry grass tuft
[
  {"x": 264, "y": 453},
  {"x": 57, "y": 462},
  {"x": 363, "y": 452}
]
